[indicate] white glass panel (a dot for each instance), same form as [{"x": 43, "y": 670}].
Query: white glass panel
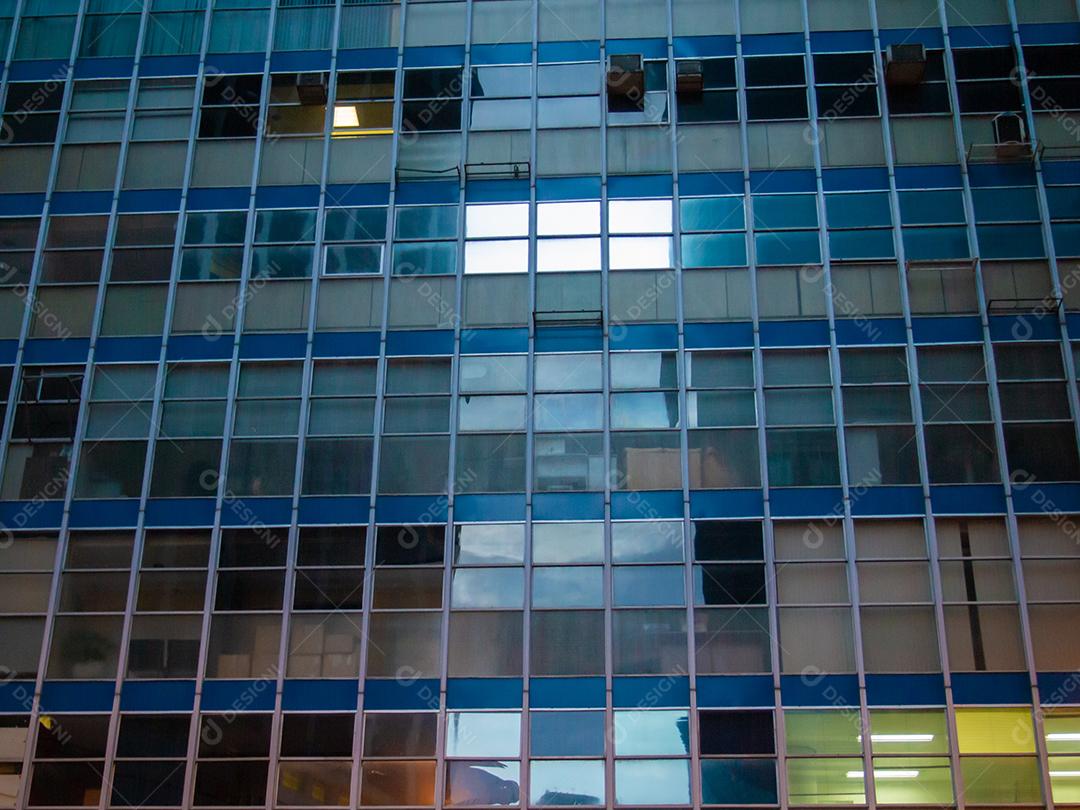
[
  {"x": 555, "y": 255},
  {"x": 501, "y": 256},
  {"x": 497, "y": 220},
  {"x": 567, "y": 218},
  {"x": 639, "y": 216},
  {"x": 641, "y": 252}
]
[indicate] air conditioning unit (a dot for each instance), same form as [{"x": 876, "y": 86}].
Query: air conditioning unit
[
  {"x": 311, "y": 88},
  {"x": 626, "y": 76},
  {"x": 1010, "y": 136},
  {"x": 689, "y": 78},
  {"x": 905, "y": 65}
]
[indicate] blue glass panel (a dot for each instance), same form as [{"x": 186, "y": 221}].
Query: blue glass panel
[
  {"x": 870, "y": 244},
  {"x": 712, "y": 214},
  {"x": 857, "y": 210},
  {"x": 738, "y": 781},
  {"x": 1064, "y": 202},
  {"x": 788, "y": 247},
  {"x": 785, "y": 211},
  {"x": 932, "y": 207},
  {"x": 936, "y": 243},
  {"x": 1005, "y": 204},
  {"x": 238, "y": 31},
  {"x": 1010, "y": 242},
  {"x": 1066, "y": 238},
  {"x": 425, "y": 258},
  {"x": 567, "y": 734},
  {"x": 714, "y": 250}
]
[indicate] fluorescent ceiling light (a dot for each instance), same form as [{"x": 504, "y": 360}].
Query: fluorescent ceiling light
[
  {"x": 900, "y": 738},
  {"x": 1064, "y": 736},
  {"x": 345, "y": 117},
  {"x": 892, "y": 774},
  {"x": 1065, "y": 774}
]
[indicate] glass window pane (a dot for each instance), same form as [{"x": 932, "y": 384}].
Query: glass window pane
[
  {"x": 568, "y": 587},
  {"x": 575, "y": 782},
  {"x": 487, "y": 588},
  {"x": 656, "y": 781},
  {"x": 568, "y": 542},
  {"x": 482, "y": 783},
  {"x": 483, "y": 734}
]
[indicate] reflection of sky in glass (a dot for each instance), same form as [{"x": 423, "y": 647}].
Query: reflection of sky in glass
[
  {"x": 503, "y": 113},
  {"x": 501, "y": 80},
  {"x": 568, "y": 587},
  {"x": 565, "y": 372},
  {"x": 506, "y": 373},
  {"x": 647, "y": 541},
  {"x": 650, "y": 732},
  {"x": 491, "y": 413},
  {"x": 553, "y": 255},
  {"x": 644, "y": 586},
  {"x": 569, "y": 411},
  {"x": 665, "y": 781},
  {"x": 640, "y": 252},
  {"x": 483, "y": 734},
  {"x": 568, "y": 542},
  {"x": 578, "y": 77},
  {"x": 492, "y": 543},
  {"x": 487, "y": 588},
  {"x": 566, "y": 783},
  {"x": 643, "y": 370},
  {"x": 649, "y": 409},
  {"x": 511, "y": 219},
  {"x": 567, "y": 218},
  {"x": 568, "y": 111}
]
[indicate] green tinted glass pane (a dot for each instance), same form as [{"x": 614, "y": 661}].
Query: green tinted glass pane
[
  {"x": 907, "y": 732},
  {"x": 1001, "y": 779},
  {"x": 832, "y": 732},
  {"x": 826, "y": 781},
  {"x": 913, "y": 780}
]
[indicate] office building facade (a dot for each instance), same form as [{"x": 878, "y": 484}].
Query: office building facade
[{"x": 539, "y": 403}]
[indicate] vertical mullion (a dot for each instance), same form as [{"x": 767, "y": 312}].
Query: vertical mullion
[
  {"x": 768, "y": 534},
  {"x": 139, "y": 534},
  {"x": 993, "y": 394},
  {"x": 68, "y": 482},
  {"x": 911, "y": 353},
  {"x": 174, "y": 288},
  {"x": 380, "y": 398},
  {"x": 853, "y": 602}
]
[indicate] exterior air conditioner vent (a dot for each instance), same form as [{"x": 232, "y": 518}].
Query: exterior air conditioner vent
[
  {"x": 905, "y": 65},
  {"x": 311, "y": 88},
  {"x": 689, "y": 79},
  {"x": 626, "y": 76}
]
